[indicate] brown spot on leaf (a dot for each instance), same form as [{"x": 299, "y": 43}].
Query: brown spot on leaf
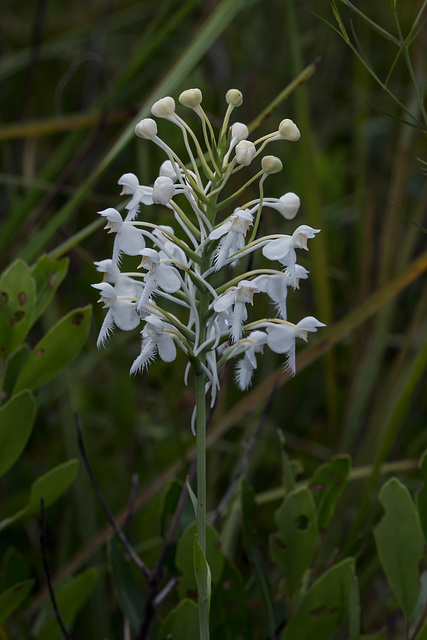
[
  {"x": 78, "y": 318},
  {"x": 39, "y": 352},
  {"x": 317, "y": 486},
  {"x": 22, "y": 298},
  {"x": 217, "y": 544},
  {"x": 338, "y": 480},
  {"x": 302, "y": 522},
  {"x": 4, "y": 298},
  {"x": 17, "y": 317},
  {"x": 226, "y": 585},
  {"x": 52, "y": 281},
  {"x": 315, "y": 613}
]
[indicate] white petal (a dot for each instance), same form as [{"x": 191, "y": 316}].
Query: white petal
[
  {"x": 220, "y": 231},
  {"x": 277, "y": 249},
  {"x": 168, "y": 278},
  {"x": 225, "y": 301},
  {"x": 166, "y": 346},
  {"x": 281, "y": 338},
  {"x": 125, "y": 315},
  {"x": 130, "y": 240},
  {"x": 106, "y": 329}
]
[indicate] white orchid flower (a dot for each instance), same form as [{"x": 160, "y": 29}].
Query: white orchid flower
[
  {"x": 236, "y": 299},
  {"x": 128, "y": 240},
  {"x": 276, "y": 286},
  {"x": 283, "y": 249},
  {"x": 234, "y": 230},
  {"x": 121, "y": 312},
  {"x": 252, "y": 344},
  {"x": 155, "y": 340},
  {"x": 159, "y": 275},
  {"x": 281, "y": 337}
]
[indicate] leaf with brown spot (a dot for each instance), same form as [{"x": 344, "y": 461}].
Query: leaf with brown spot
[
  {"x": 327, "y": 484},
  {"x": 17, "y": 303},
  {"x": 56, "y": 349},
  {"x": 48, "y": 275}
]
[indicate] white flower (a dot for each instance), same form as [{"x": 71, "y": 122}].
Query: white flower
[
  {"x": 281, "y": 337},
  {"x": 163, "y": 190},
  {"x": 121, "y": 313},
  {"x": 283, "y": 249},
  {"x": 254, "y": 343},
  {"x": 237, "y": 298},
  {"x": 167, "y": 169},
  {"x": 276, "y": 286},
  {"x": 159, "y": 274},
  {"x": 154, "y": 340},
  {"x": 123, "y": 284},
  {"x": 288, "y": 204},
  {"x": 245, "y": 151},
  {"x": 140, "y": 194},
  {"x": 234, "y": 230},
  {"x": 128, "y": 240},
  {"x": 289, "y": 131}
]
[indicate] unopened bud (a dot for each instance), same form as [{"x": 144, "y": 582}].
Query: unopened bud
[
  {"x": 166, "y": 169},
  {"x": 289, "y": 205},
  {"x": 234, "y": 97},
  {"x": 289, "y": 130},
  {"x": 163, "y": 190},
  {"x": 146, "y": 129},
  {"x": 239, "y": 131},
  {"x": 191, "y": 98},
  {"x": 163, "y": 108},
  {"x": 271, "y": 164},
  {"x": 245, "y": 152}
]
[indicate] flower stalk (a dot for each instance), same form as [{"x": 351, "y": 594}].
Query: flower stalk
[{"x": 187, "y": 298}]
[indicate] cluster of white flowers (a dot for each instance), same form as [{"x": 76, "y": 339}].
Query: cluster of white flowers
[{"x": 186, "y": 294}]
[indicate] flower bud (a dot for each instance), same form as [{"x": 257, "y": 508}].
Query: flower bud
[
  {"x": 289, "y": 130},
  {"x": 245, "y": 152},
  {"x": 191, "y": 98},
  {"x": 166, "y": 169},
  {"x": 271, "y": 164},
  {"x": 146, "y": 129},
  {"x": 163, "y": 108},
  {"x": 163, "y": 190},
  {"x": 234, "y": 97},
  {"x": 289, "y": 205},
  {"x": 239, "y": 131}
]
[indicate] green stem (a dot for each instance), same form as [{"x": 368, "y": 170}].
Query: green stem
[{"x": 201, "y": 494}]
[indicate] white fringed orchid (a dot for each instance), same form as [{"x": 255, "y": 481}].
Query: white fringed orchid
[{"x": 183, "y": 290}]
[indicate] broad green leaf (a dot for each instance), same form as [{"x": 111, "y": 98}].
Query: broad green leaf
[
  {"x": 48, "y": 275},
  {"x": 17, "y": 302},
  {"x": 325, "y": 606},
  {"x": 128, "y": 594},
  {"x": 327, "y": 484},
  {"x": 56, "y": 349},
  {"x": 14, "y": 368},
  {"x": 12, "y": 598},
  {"x": 399, "y": 541},
  {"x": 249, "y": 508},
  {"x": 294, "y": 547},
  {"x": 16, "y": 423},
  {"x": 182, "y": 623},
  {"x": 51, "y": 485},
  {"x": 70, "y": 599},
  {"x": 184, "y": 559},
  {"x": 229, "y": 607},
  {"x": 421, "y": 496}
]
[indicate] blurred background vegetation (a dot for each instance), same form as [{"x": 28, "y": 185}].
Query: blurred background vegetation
[{"x": 74, "y": 78}]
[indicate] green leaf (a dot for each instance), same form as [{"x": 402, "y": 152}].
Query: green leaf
[
  {"x": 17, "y": 302},
  {"x": 126, "y": 589},
  {"x": 48, "y": 275},
  {"x": 400, "y": 544},
  {"x": 56, "y": 349},
  {"x": 51, "y": 485},
  {"x": 422, "y": 635},
  {"x": 229, "y": 607},
  {"x": 16, "y": 424},
  {"x": 12, "y": 598},
  {"x": 327, "y": 484},
  {"x": 182, "y": 622},
  {"x": 294, "y": 547},
  {"x": 70, "y": 599},
  {"x": 325, "y": 606},
  {"x": 184, "y": 559},
  {"x": 14, "y": 368}
]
